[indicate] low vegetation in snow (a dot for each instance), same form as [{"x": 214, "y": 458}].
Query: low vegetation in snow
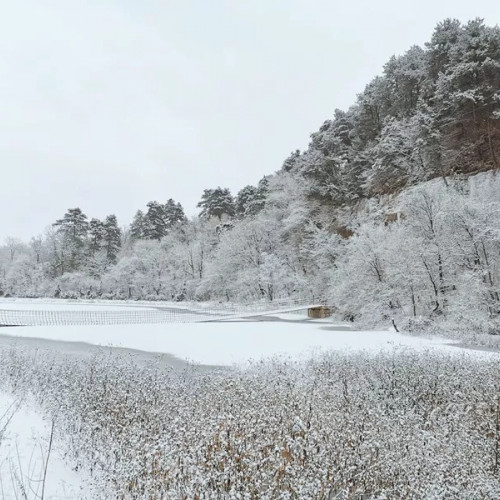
[{"x": 343, "y": 426}]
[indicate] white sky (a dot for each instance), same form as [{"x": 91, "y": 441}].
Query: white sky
[{"x": 108, "y": 104}]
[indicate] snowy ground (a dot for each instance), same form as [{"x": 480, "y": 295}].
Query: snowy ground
[{"x": 24, "y": 442}]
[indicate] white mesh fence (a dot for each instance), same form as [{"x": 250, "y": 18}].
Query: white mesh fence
[{"x": 143, "y": 315}]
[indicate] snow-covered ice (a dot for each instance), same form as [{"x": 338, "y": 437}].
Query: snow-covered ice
[{"x": 229, "y": 343}]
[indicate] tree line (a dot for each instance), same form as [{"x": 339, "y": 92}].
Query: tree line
[{"x": 412, "y": 143}]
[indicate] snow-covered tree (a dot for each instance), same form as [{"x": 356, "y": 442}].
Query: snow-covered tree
[{"x": 217, "y": 203}]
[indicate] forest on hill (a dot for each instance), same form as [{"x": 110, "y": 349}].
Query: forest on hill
[{"x": 393, "y": 211}]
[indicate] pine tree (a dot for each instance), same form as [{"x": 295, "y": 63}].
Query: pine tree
[
  {"x": 74, "y": 224},
  {"x": 155, "y": 227},
  {"x": 111, "y": 238},
  {"x": 243, "y": 200},
  {"x": 72, "y": 230},
  {"x": 138, "y": 226},
  {"x": 159, "y": 219},
  {"x": 216, "y": 203},
  {"x": 404, "y": 77},
  {"x": 96, "y": 235},
  {"x": 173, "y": 213},
  {"x": 291, "y": 161},
  {"x": 467, "y": 97},
  {"x": 251, "y": 200}
]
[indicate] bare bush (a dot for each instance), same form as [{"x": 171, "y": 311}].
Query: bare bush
[{"x": 401, "y": 425}]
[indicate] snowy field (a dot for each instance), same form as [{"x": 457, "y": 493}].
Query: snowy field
[{"x": 24, "y": 446}]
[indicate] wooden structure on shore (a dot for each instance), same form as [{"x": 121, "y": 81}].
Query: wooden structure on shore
[{"x": 319, "y": 312}]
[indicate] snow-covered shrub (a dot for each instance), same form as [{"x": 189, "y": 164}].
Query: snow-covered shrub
[{"x": 399, "y": 425}]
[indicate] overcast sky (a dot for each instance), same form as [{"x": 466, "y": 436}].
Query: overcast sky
[{"x": 108, "y": 104}]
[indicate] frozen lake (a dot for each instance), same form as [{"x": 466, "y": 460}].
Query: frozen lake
[{"x": 228, "y": 343}]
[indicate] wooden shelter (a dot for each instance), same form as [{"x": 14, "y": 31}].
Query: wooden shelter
[{"x": 319, "y": 312}]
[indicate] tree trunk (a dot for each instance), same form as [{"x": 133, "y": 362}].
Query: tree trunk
[{"x": 490, "y": 143}]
